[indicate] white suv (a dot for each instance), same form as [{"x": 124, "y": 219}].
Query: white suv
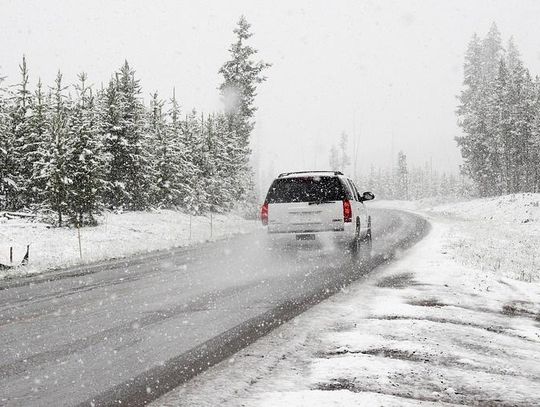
[{"x": 315, "y": 204}]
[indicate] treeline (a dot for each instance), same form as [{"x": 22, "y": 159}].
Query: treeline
[
  {"x": 74, "y": 150},
  {"x": 499, "y": 113},
  {"x": 411, "y": 183}
]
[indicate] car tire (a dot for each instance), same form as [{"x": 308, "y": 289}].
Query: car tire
[
  {"x": 361, "y": 247},
  {"x": 355, "y": 245},
  {"x": 367, "y": 244}
]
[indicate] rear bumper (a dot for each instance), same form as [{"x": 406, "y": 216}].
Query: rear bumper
[
  {"x": 345, "y": 234},
  {"x": 304, "y": 230},
  {"x": 310, "y": 228}
]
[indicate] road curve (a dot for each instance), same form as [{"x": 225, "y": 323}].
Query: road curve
[{"x": 131, "y": 330}]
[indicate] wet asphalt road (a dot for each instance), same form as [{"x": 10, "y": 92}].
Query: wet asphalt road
[{"x": 131, "y": 330}]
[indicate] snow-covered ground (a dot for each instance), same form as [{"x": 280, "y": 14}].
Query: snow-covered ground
[
  {"x": 447, "y": 324},
  {"x": 117, "y": 235}
]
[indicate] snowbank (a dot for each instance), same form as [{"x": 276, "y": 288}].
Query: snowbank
[
  {"x": 508, "y": 209},
  {"x": 117, "y": 235},
  {"x": 500, "y": 235},
  {"x": 432, "y": 329}
]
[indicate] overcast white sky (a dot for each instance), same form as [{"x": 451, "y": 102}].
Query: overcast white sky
[{"x": 380, "y": 70}]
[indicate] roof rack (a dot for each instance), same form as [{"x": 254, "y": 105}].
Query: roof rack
[{"x": 284, "y": 174}]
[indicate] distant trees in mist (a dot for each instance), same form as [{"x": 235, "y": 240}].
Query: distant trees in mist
[
  {"x": 499, "y": 112},
  {"x": 74, "y": 150},
  {"x": 405, "y": 182},
  {"x": 401, "y": 181}
]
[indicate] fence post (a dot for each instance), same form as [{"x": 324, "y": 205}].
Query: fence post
[
  {"x": 11, "y": 255},
  {"x": 190, "y": 216},
  {"x": 79, "y": 237},
  {"x": 211, "y": 226}
]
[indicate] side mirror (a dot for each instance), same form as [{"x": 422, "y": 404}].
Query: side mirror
[{"x": 367, "y": 196}]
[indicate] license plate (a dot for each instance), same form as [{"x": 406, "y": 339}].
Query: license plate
[{"x": 305, "y": 237}]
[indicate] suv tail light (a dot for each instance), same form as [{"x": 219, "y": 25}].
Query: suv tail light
[
  {"x": 264, "y": 214},
  {"x": 347, "y": 211}
]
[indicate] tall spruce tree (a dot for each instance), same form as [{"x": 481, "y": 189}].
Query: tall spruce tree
[
  {"x": 53, "y": 152},
  {"x": 19, "y": 167},
  {"x": 169, "y": 159},
  {"x": 193, "y": 139},
  {"x": 39, "y": 107},
  {"x": 402, "y": 177},
  {"x": 478, "y": 112},
  {"x": 241, "y": 75},
  {"x": 84, "y": 161},
  {"x": 534, "y": 151},
  {"x": 7, "y": 182},
  {"x": 125, "y": 143},
  {"x": 184, "y": 169}
]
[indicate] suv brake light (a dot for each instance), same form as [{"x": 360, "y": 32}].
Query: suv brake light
[
  {"x": 347, "y": 211},
  {"x": 264, "y": 214}
]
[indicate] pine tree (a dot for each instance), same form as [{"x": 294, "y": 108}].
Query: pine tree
[
  {"x": 84, "y": 158},
  {"x": 18, "y": 166},
  {"x": 478, "y": 114},
  {"x": 34, "y": 186},
  {"x": 51, "y": 168},
  {"x": 184, "y": 168},
  {"x": 534, "y": 155},
  {"x": 125, "y": 144},
  {"x": 241, "y": 75},
  {"x": 521, "y": 104},
  {"x": 155, "y": 123},
  {"x": 210, "y": 163},
  {"x": 226, "y": 152},
  {"x": 402, "y": 177},
  {"x": 193, "y": 138},
  {"x": 7, "y": 166},
  {"x": 170, "y": 165},
  {"x": 499, "y": 148}
]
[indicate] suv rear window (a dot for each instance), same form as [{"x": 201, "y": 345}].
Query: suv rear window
[{"x": 306, "y": 189}]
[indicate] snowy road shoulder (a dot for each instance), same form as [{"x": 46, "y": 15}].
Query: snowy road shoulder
[
  {"x": 117, "y": 236},
  {"x": 427, "y": 330}
]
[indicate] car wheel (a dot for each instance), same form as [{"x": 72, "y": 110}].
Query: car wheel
[
  {"x": 356, "y": 242},
  {"x": 367, "y": 244}
]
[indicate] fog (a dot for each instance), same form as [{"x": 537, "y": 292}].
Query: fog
[{"x": 387, "y": 73}]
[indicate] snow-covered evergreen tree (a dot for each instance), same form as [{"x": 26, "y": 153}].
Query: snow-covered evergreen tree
[
  {"x": 85, "y": 164},
  {"x": 19, "y": 168},
  {"x": 7, "y": 165},
  {"x": 184, "y": 170},
  {"x": 402, "y": 177},
  {"x": 129, "y": 178},
  {"x": 171, "y": 169},
  {"x": 193, "y": 140},
  {"x": 50, "y": 168},
  {"x": 534, "y": 150},
  {"x": 33, "y": 185},
  {"x": 241, "y": 75}
]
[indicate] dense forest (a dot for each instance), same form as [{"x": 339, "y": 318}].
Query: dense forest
[
  {"x": 73, "y": 150},
  {"x": 499, "y": 112}
]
